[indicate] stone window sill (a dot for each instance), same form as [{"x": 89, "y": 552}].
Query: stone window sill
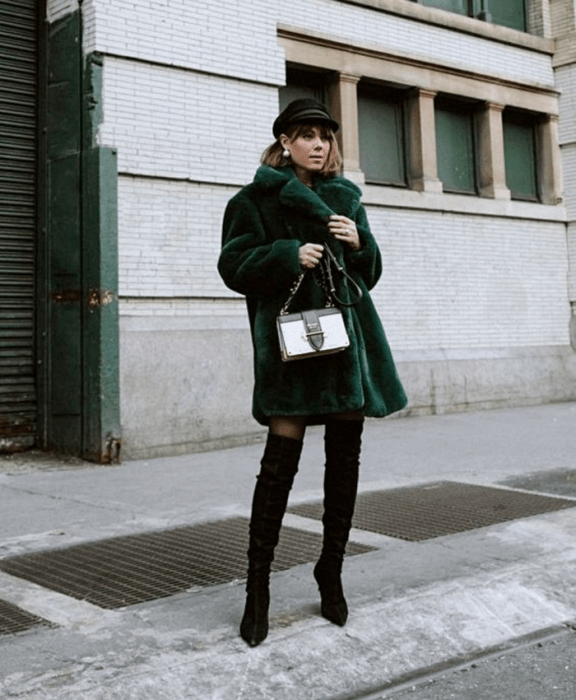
[{"x": 395, "y": 197}]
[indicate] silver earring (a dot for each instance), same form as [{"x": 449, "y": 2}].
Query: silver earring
[{"x": 286, "y": 154}]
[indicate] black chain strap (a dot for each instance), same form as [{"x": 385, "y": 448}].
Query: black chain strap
[
  {"x": 325, "y": 280},
  {"x": 293, "y": 291}
]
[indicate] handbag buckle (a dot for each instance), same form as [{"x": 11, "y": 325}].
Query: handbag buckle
[{"x": 314, "y": 332}]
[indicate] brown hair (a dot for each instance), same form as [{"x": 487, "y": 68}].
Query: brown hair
[{"x": 273, "y": 157}]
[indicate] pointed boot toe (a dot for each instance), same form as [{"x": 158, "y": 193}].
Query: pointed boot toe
[
  {"x": 333, "y": 604},
  {"x": 335, "y": 612},
  {"x": 254, "y": 625}
]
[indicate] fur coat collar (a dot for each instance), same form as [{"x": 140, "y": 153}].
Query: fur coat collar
[{"x": 331, "y": 195}]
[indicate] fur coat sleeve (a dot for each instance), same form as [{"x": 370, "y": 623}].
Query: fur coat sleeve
[{"x": 252, "y": 261}]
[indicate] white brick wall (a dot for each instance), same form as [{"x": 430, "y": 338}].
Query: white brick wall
[
  {"x": 229, "y": 37},
  {"x": 195, "y": 136},
  {"x": 569, "y": 166},
  {"x": 562, "y": 14},
  {"x": 572, "y": 260},
  {"x": 455, "y": 281},
  {"x": 566, "y": 83},
  {"x": 190, "y": 92},
  {"x": 176, "y": 123},
  {"x": 449, "y": 280},
  {"x": 187, "y": 313},
  {"x": 430, "y": 42},
  {"x": 238, "y": 37},
  {"x": 170, "y": 238}
]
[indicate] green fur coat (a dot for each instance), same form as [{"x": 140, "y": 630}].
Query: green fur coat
[{"x": 264, "y": 226}]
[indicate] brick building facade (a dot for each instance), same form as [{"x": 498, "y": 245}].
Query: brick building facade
[{"x": 479, "y": 285}]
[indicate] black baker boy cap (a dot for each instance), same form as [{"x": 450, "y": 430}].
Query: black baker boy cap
[{"x": 303, "y": 110}]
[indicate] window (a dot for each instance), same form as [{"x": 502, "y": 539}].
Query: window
[
  {"x": 381, "y": 135},
  {"x": 462, "y": 7},
  {"x": 455, "y": 147},
  {"x": 303, "y": 83},
  {"x": 509, "y": 13},
  {"x": 520, "y": 143}
]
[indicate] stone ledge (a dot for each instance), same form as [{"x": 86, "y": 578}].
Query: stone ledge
[{"x": 395, "y": 197}]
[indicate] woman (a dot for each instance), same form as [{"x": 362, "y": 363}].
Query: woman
[{"x": 275, "y": 228}]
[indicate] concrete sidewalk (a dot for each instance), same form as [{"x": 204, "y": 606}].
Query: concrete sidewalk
[{"x": 413, "y": 605}]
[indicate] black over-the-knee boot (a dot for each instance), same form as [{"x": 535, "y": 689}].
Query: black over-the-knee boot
[
  {"x": 278, "y": 468},
  {"x": 342, "y": 443}
]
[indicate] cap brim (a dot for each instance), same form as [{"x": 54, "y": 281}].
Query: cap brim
[{"x": 306, "y": 115}]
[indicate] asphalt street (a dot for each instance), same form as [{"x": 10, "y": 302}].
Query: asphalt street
[{"x": 531, "y": 670}]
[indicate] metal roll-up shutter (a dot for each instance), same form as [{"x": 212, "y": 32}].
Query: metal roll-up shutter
[{"x": 18, "y": 166}]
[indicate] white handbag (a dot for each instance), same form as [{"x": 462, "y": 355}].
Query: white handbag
[
  {"x": 315, "y": 332},
  {"x": 312, "y": 334}
]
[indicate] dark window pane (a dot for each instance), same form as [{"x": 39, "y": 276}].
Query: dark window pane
[
  {"x": 455, "y": 150},
  {"x": 509, "y": 13},
  {"x": 520, "y": 157},
  {"x": 302, "y": 83},
  {"x": 460, "y": 6},
  {"x": 381, "y": 138}
]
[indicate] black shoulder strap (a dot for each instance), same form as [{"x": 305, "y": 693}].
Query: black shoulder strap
[{"x": 333, "y": 260}]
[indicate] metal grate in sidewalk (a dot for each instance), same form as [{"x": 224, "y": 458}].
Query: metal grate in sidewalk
[
  {"x": 124, "y": 571},
  {"x": 13, "y": 619},
  {"x": 440, "y": 508}
]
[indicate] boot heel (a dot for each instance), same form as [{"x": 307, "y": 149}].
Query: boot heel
[{"x": 333, "y": 604}]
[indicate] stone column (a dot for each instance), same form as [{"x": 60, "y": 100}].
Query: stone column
[
  {"x": 344, "y": 107},
  {"x": 538, "y": 18},
  {"x": 562, "y": 16},
  {"x": 491, "y": 165},
  {"x": 422, "y": 165},
  {"x": 550, "y": 165}
]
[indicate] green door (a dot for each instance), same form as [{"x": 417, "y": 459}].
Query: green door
[{"x": 18, "y": 164}]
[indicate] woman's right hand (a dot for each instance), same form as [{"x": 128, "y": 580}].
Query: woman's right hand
[{"x": 309, "y": 255}]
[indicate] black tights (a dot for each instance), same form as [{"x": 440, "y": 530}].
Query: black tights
[{"x": 295, "y": 426}]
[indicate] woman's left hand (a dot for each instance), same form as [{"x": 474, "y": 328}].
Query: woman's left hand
[{"x": 344, "y": 229}]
